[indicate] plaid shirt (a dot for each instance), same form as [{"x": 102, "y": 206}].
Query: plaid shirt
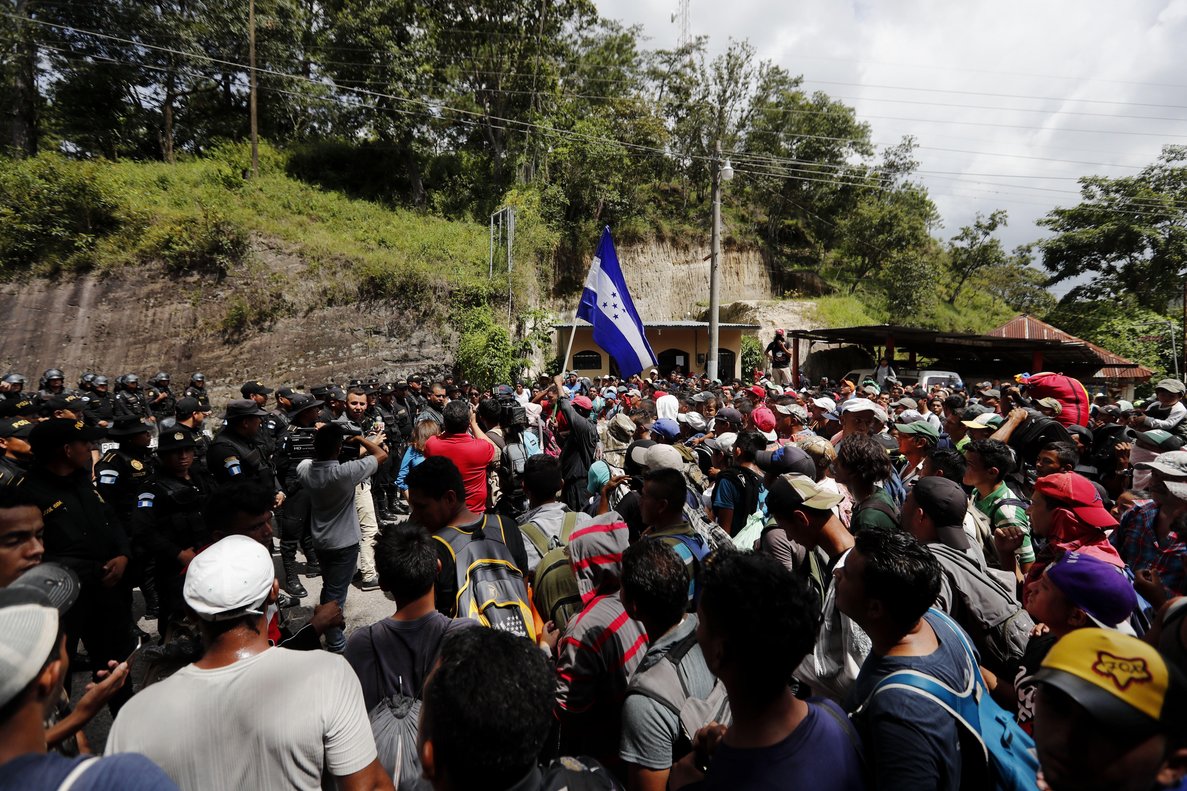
[{"x": 1137, "y": 542}]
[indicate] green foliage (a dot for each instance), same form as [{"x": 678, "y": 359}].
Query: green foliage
[
  {"x": 53, "y": 213},
  {"x": 974, "y": 249},
  {"x": 1125, "y": 328},
  {"x": 209, "y": 243},
  {"x": 753, "y": 356},
  {"x": 249, "y": 312},
  {"x": 843, "y": 310},
  {"x": 485, "y": 355},
  {"x": 1129, "y": 234}
]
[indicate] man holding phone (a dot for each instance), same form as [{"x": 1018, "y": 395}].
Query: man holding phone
[{"x": 335, "y": 521}]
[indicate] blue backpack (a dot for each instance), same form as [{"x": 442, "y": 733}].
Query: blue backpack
[{"x": 1009, "y": 752}]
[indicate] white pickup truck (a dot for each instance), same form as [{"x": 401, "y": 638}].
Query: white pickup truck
[{"x": 908, "y": 376}]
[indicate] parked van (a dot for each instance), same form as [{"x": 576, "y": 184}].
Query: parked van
[{"x": 907, "y": 376}]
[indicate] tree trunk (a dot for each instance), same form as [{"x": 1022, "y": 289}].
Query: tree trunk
[
  {"x": 167, "y": 117},
  {"x": 22, "y": 137}
]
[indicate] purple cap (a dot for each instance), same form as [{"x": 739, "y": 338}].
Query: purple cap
[{"x": 1097, "y": 587}]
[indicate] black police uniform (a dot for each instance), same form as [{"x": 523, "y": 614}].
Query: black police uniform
[
  {"x": 164, "y": 408},
  {"x": 132, "y": 403},
  {"x": 119, "y": 476},
  {"x": 98, "y": 407},
  {"x": 198, "y": 393},
  {"x": 295, "y": 516},
  {"x": 166, "y": 521},
  {"x": 82, "y": 533},
  {"x": 11, "y": 472},
  {"x": 232, "y": 457}
]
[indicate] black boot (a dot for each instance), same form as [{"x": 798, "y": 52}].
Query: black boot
[
  {"x": 312, "y": 568},
  {"x": 148, "y": 586},
  {"x": 288, "y": 558}
]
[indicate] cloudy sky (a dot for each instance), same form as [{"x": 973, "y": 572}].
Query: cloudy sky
[{"x": 1009, "y": 101}]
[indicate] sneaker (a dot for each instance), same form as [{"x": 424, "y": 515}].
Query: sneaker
[{"x": 369, "y": 583}]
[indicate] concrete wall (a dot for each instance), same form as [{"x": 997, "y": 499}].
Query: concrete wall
[{"x": 669, "y": 344}]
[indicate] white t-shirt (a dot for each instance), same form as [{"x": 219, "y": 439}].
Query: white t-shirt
[{"x": 279, "y": 719}]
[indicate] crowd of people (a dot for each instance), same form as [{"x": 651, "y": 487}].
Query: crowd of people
[{"x": 654, "y": 582}]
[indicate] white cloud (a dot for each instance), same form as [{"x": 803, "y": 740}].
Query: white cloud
[{"x": 1010, "y": 101}]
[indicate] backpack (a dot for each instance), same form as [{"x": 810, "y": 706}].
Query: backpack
[
  {"x": 692, "y": 551},
  {"x": 395, "y": 724},
  {"x": 490, "y": 587},
  {"x": 747, "y": 483},
  {"x": 1002, "y": 627},
  {"x": 1008, "y": 751},
  {"x": 661, "y": 681},
  {"x": 713, "y": 534},
  {"x": 554, "y": 591},
  {"x": 545, "y": 543}
]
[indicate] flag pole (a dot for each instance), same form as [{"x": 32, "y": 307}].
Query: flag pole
[{"x": 569, "y": 348}]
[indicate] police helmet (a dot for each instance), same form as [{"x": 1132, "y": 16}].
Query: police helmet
[
  {"x": 14, "y": 379},
  {"x": 198, "y": 378},
  {"x": 53, "y": 373},
  {"x": 159, "y": 376},
  {"x": 131, "y": 379},
  {"x": 100, "y": 381},
  {"x": 87, "y": 378}
]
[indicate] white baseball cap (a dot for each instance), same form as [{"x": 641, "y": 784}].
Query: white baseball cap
[
  {"x": 663, "y": 457},
  {"x": 28, "y": 631},
  {"x": 825, "y": 403},
  {"x": 230, "y": 578},
  {"x": 864, "y": 405}
]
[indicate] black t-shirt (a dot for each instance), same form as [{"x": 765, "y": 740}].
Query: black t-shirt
[
  {"x": 780, "y": 356},
  {"x": 1024, "y": 681}
]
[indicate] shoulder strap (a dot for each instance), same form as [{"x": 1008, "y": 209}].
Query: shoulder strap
[
  {"x": 536, "y": 535},
  {"x": 847, "y": 726},
  {"x": 568, "y": 525},
  {"x": 78, "y": 771}
]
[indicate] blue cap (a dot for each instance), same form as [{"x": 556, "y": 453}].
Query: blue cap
[{"x": 666, "y": 427}]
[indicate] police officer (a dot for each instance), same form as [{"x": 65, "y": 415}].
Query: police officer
[
  {"x": 120, "y": 475},
  {"x": 284, "y": 405},
  {"x": 237, "y": 450},
  {"x": 397, "y": 425},
  {"x": 129, "y": 401},
  {"x": 335, "y": 406},
  {"x": 81, "y": 534},
  {"x": 161, "y": 403},
  {"x": 12, "y": 385},
  {"x": 190, "y": 415},
  {"x": 65, "y": 405},
  {"x": 98, "y": 405},
  {"x": 53, "y": 381},
  {"x": 296, "y": 445},
  {"x": 167, "y": 523},
  {"x": 17, "y": 453},
  {"x": 271, "y": 430},
  {"x": 84, "y": 382},
  {"x": 197, "y": 389}
]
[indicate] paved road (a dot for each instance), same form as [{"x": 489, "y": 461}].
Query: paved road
[{"x": 362, "y": 608}]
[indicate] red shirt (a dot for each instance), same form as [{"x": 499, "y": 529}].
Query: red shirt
[{"x": 471, "y": 456}]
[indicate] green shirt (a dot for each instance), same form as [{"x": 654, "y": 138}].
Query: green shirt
[
  {"x": 866, "y": 514},
  {"x": 1008, "y": 515}
]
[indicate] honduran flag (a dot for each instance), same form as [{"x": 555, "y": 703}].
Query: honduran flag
[{"x": 606, "y": 304}]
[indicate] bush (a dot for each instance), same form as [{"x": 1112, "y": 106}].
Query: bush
[
  {"x": 753, "y": 357},
  {"x": 52, "y": 213},
  {"x": 257, "y": 310},
  {"x": 209, "y": 243}
]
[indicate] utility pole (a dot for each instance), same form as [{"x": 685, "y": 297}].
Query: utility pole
[
  {"x": 715, "y": 270},
  {"x": 1184, "y": 367},
  {"x": 251, "y": 63}
]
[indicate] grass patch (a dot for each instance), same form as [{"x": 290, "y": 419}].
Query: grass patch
[{"x": 839, "y": 310}]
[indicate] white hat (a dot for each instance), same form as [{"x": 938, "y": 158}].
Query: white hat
[
  {"x": 864, "y": 405},
  {"x": 723, "y": 442},
  {"x": 663, "y": 457},
  {"x": 825, "y": 403},
  {"x": 230, "y": 578},
  {"x": 28, "y": 630},
  {"x": 695, "y": 420}
]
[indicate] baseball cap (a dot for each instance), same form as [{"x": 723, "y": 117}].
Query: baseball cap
[
  {"x": 230, "y": 578},
  {"x": 582, "y": 402},
  {"x": 907, "y": 403},
  {"x": 764, "y": 422},
  {"x": 1121, "y": 680},
  {"x": 1158, "y": 440},
  {"x": 663, "y": 457},
  {"x": 945, "y": 503},
  {"x": 178, "y": 438},
  {"x": 730, "y": 415},
  {"x": 722, "y": 442},
  {"x": 128, "y": 426},
  {"x": 786, "y": 459},
  {"x": 695, "y": 420},
  {"x": 666, "y": 427},
  {"x": 991, "y": 392},
  {"x": 919, "y": 428},
  {"x": 758, "y": 391},
  {"x": 1051, "y": 403},
  {"x": 1095, "y": 586},
  {"x": 864, "y": 405},
  {"x": 1172, "y": 463},
  {"x": 61, "y": 401},
  {"x": 286, "y": 392},
  {"x": 60, "y": 430},
  {"x": 984, "y": 420},
  {"x": 59, "y": 585},
  {"x": 910, "y": 416},
  {"x": 254, "y": 388},
  {"x": 188, "y": 405},
  {"x": 794, "y": 489},
  {"x": 793, "y": 410},
  {"x": 1171, "y": 386},
  {"x": 16, "y": 427},
  {"x": 1078, "y": 493},
  {"x": 825, "y": 403},
  {"x": 28, "y": 631}
]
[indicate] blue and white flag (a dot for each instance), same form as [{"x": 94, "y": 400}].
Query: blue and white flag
[{"x": 606, "y": 304}]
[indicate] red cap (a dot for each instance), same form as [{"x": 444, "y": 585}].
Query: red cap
[
  {"x": 763, "y": 419},
  {"x": 583, "y": 402},
  {"x": 758, "y": 391},
  {"x": 1079, "y": 494}
]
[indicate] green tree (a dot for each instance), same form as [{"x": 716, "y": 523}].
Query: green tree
[
  {"x": 1127, "y": 235},
  {"x": 975, "y": 249}
]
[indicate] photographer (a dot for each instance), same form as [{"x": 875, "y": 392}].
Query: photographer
[{"x": 336, "y": 534}]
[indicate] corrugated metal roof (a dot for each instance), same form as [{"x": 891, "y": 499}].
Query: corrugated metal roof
[{"x": 1027, "y": 327}]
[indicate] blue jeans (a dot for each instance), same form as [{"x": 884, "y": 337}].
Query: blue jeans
[{"x": 337, "y": 570}]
